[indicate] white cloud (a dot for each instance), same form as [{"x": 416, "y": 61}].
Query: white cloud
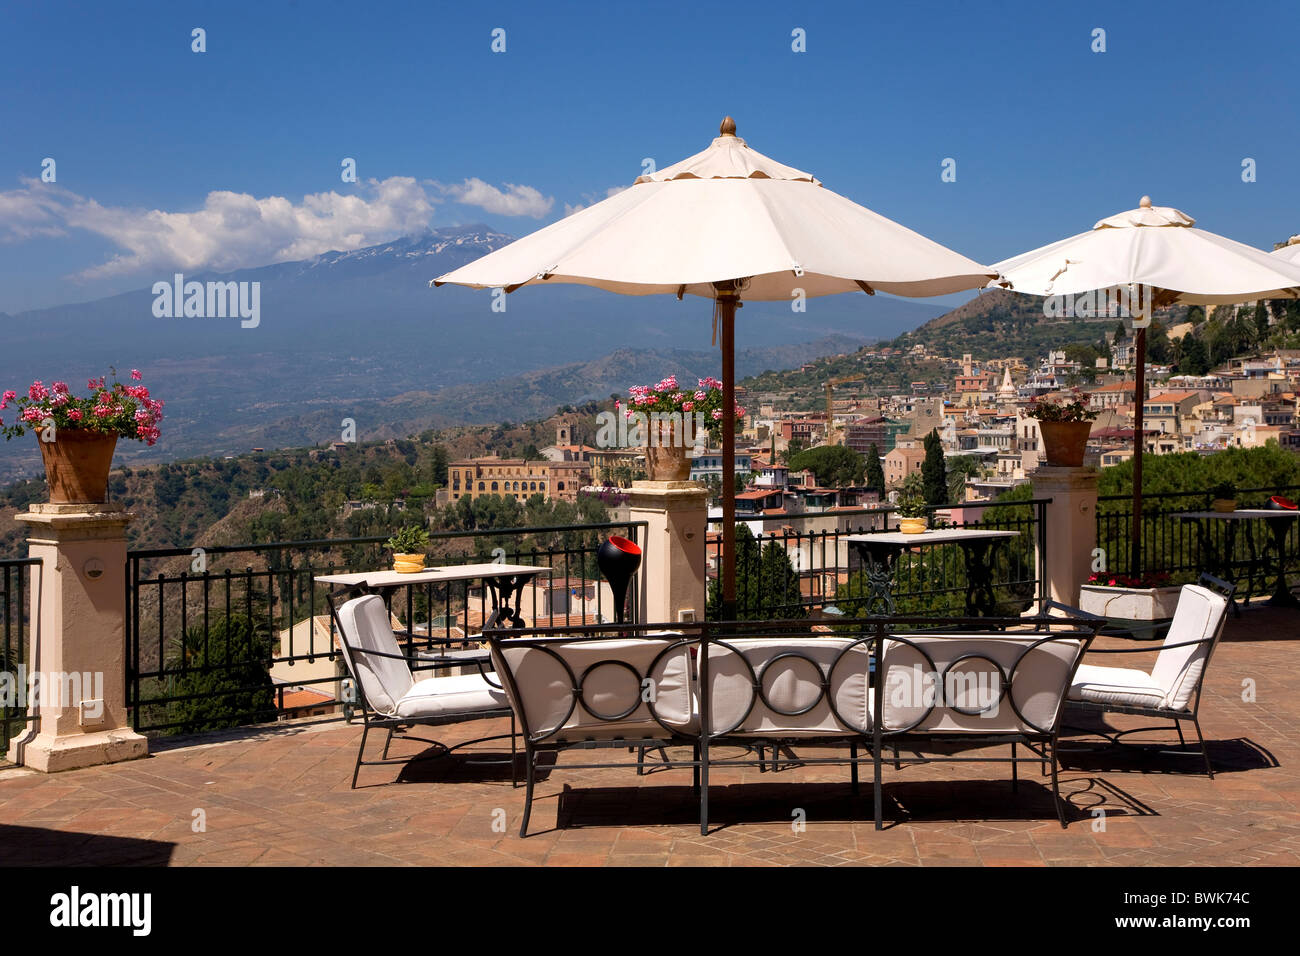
[
  {"x": 514, "y": 201},
  {"x": 30, "y": 212},
  {"x": 236, "y": 230}
]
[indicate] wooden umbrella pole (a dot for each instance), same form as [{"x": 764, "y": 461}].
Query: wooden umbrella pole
[
  {"x": 727, "y": 299},
  {"x": 1139, "y": 399}
]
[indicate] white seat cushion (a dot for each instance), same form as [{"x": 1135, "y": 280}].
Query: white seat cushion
[
  {"x": 449, "y": 696},
  {"x": 1116, "y": 685}
]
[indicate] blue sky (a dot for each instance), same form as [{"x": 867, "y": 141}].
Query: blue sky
[{"x": 166, "y": 158}]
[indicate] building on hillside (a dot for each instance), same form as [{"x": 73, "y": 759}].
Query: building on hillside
[
  {"x": 709, "y": 464},
  {"x": 860, "y": 435},
  {"x": 516, "y": 478},
  {"x": 312, "y": 684},
  {"x": 902, "y": 462},
  {"x": 1112, "y": 396}
]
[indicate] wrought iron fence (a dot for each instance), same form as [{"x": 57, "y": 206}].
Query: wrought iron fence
[
  {"x": 222, "y": 636},
  {"x": 16, "y": 658},
  {"x": 1242, "y": 551},
  {"x": 799, "y": 565}
]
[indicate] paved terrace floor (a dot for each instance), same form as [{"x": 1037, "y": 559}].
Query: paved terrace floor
[{"x": 282, "y": 796}]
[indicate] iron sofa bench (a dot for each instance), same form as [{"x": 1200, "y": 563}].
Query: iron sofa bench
[{"x": 784, "y": 683}]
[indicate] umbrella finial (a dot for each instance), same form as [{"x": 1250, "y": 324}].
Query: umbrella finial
[
  {"x": 728, "y": 127},
  {"x": 1146, "y": 202}
]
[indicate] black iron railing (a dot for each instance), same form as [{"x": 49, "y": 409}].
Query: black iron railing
[
  {"x": 1182, "y": 548},
  {"x": 800, "y": 564},
  {"x": 16, "y": 658},
  {"x": 206, "y": 628}
]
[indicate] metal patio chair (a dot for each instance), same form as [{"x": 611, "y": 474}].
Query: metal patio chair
[
  {"x": 1172, "y": 689},
  {"x": 391, "y": 698}
]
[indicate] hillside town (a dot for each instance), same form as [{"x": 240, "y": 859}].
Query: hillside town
[{"x": 980, "y": 412}]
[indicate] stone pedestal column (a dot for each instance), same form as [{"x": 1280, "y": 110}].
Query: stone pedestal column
[
  {"x": 1071, "y": 528},
  {"x": 78, "y": 639},
  {"x": 673, "y": 578}
]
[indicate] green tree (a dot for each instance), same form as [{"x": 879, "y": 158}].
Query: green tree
[
  {"x": 223, "y": 678},
  {"x": 834, "y": 466},
  {"x": 961, "y": 468},
  {"x": 934, "y": 474},
  {"x": 767, "y": 585},
  {"x": 875, "y": 471},
  {"x": 1194, "y": 359}
]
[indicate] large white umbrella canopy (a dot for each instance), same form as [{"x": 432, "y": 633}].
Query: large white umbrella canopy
[
  {"x": 727, "y": 224},
  {"x": 1290, "y": 252},
  {"x": 727, "y": 213},
  {"x": 1159, "y": 248}
]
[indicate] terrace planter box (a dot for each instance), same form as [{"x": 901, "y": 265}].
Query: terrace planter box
[{"x": 1129, "y": 604}]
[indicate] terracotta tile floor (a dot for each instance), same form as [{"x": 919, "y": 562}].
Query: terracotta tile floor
[{"x": 281, "y": 796}]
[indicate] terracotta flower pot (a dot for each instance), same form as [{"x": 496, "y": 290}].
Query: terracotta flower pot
[
  {"x": 1065, "y": 442},
  {"x": 667, "y": 457},
  {"x": 912, "y": 525},
  {"x": 77, "y": 464},
  {"x": 408, "y": 563}
]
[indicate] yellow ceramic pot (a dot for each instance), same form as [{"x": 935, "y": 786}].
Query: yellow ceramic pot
[
  {"x": 911, "y": 525},
  {"x": 408, "y": 563},
  {"x": 1224, "y": 504}
]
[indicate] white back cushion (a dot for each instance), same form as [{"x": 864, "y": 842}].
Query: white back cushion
[
  {"x": 1198, "y": 616},
  {"x": 791, "y": 672},
  {"x": 384, "y": 680},
  {"x": 936, "y": 692},
  {"x": 611, "y": 675}
]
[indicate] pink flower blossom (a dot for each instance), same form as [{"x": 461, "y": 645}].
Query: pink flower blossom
[
  {"x": 75, "y": 414},
  {"x": 60, "y": 388},
  {"x": 717, "y": 414},
  {"x": 38, "y": 392},
  {"x": 688, "y": 406},
  {"x": 135, "y": 374}
]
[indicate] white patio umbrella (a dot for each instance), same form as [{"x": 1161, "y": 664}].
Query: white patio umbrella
[
  {"x": 727, "y": 224},
  {"x": 1159, "y": 258},
  {"x": 1290, "y": 252}
]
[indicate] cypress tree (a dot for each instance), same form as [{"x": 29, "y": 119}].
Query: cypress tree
[{"x": 934, "y": 473}]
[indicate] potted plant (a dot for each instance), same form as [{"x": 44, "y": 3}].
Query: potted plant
[
  {"x": 911, "y": 507},
  {"x": 1124, "y": 597},
  {"x": 1225, "y": 497},
  {"x": 408, "y": 545},
  {"x": 674, "y": 420},
  {"x": 77, "y": 434},
  {"x": 1064, "y": 423}
]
